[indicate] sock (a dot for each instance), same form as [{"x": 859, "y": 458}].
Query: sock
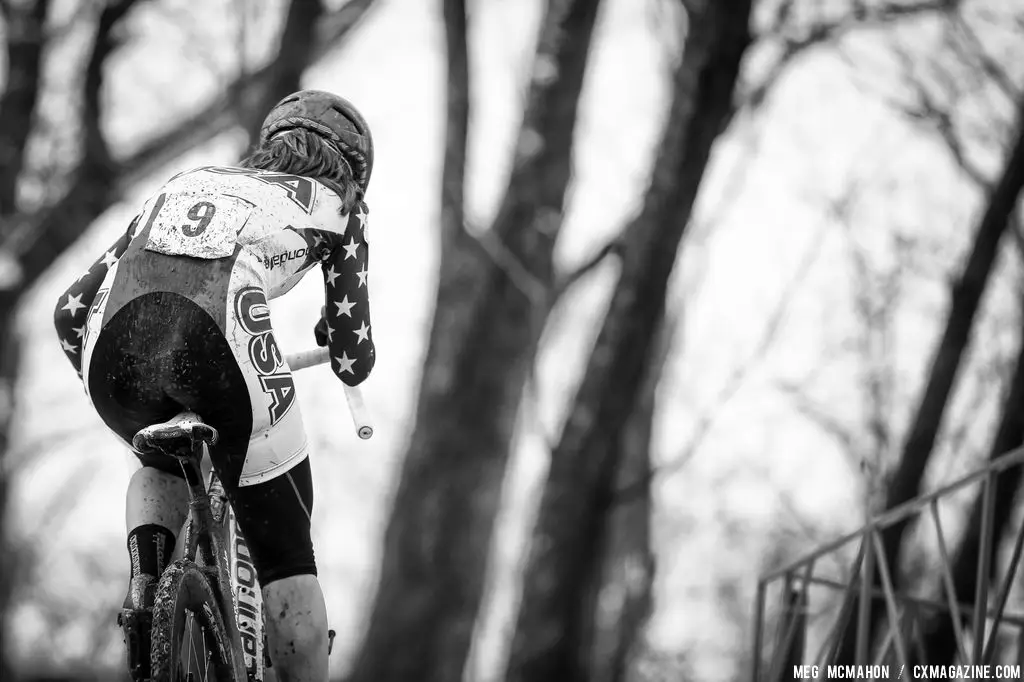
[{"x": 150, "y": 548}]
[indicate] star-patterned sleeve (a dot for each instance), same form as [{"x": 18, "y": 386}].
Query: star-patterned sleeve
[
  {"x": 72, "y": 311},
  {"x": 347, "y": 313}
]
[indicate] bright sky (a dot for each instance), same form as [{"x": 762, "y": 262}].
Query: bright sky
[{"x": 718, "y": 517}]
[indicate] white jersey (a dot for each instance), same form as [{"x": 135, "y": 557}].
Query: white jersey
[
  {"x": 256, "y": 230},
  {"x": 286, "y": 222}
]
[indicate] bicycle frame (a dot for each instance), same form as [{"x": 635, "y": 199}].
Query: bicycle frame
[
  {"x": 248, "y": 598},
  {"x": 212, "y": 539}
]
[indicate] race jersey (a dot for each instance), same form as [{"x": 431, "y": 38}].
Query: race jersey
[{"x": 269, "y": 228}]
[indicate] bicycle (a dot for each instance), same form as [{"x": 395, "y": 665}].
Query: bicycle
[{"x": 207, "y": 621}]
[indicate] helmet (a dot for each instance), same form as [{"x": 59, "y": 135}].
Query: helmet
[{"x": 330, "y": 116}]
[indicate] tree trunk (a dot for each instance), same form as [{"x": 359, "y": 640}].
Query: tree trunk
[
  {"x": 574, "y": 506},
  {"x": 18, "y": 108},
  {"x": 939, "y": 637},
  {"x": 8, "y": 378},
  {"x": 616, "y": 608},
  {"x": 492, "y": 301},
  {"x": 25, "y": 45},
  {"x": 905, "y": 483},
  {"x": 221, "y": 114},
  {"x": 26, "y": 24}
]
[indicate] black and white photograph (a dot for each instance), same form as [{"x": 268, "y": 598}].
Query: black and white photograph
[{"x": 511, "y": 340}]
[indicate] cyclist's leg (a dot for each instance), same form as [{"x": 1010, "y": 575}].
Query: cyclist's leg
[
  {"x": 128, "y": 364},
  {"x": 156, "y": 504},
  {"x": 262, "y": 459},
  {"x": 275, "y": 517}
]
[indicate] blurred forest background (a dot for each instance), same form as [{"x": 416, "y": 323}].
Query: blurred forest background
[{"x": 666, "y": 293}]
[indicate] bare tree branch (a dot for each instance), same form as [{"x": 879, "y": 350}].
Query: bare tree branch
[
  {"x": 518, "y": 273},
  {"x": 737, "y": 378},
  {"x": 823, "y": 418},
  {"x": 965, "y": 298},
  {"x": 101, "y": 181},
  {"x": 217, "y": 116},
  {"x": 875, "y": 294},
  {"x": 90, "y": 190},
  {"x": 939, "y": 110},
  {"x": 201, "y": 51},
  {"x": 975, "y": 51},
  {"x": 293, "y": 57},
  {"x": 453, "y": 173},
  {"x": 459, "y": 250},
  {"x": 562, "y": 284},
  {"x": 926, "y": 110},
  {"x": 566, "y": 281},
  {"x": 97, "y": 150},
  {"x": 796, "y": 39}
]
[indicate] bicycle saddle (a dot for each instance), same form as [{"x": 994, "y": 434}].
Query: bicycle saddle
[{"x": 184, "y": 429}]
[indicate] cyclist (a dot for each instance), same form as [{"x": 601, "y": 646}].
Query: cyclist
[{"x": 174, "y": 316}]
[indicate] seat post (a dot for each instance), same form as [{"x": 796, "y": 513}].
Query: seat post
[
  {"x": 201, "y": 524},
  {"x": 184, "y": 437},
  {"x": 191, "y": 465}
]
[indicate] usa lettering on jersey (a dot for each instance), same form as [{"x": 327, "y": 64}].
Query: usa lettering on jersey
[
  {"x": 253, "y": 313},
  {"x": 301, "y": 190}
]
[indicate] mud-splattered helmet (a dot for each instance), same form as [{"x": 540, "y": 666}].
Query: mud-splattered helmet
[{"x": 330, "y": 116}]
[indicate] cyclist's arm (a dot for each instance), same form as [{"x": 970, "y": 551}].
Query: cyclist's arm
[
  {"x": 72, "y": 310},
  {"x": 349, "y": 338}
]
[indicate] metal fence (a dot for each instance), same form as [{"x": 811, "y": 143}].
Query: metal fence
[{"x": 977, "y": 622}]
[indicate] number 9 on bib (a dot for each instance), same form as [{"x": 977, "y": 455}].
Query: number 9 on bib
[{"x": 201, "y": 226}]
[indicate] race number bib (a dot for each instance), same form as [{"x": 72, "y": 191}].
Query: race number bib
[{"x": 197, "y": 225}]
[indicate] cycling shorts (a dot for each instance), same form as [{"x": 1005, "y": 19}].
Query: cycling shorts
[{"x": 170, "y": 333}]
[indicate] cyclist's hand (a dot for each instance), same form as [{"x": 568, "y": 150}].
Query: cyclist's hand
[{"x": 320, "y": 328}]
